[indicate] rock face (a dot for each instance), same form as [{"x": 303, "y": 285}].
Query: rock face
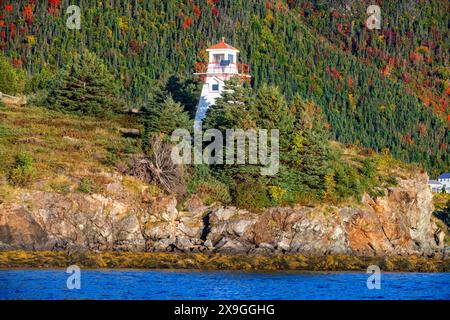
[{"x": 398, "y": 223}]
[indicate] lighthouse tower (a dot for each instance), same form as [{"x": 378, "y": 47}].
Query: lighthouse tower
[{"x": 222, "y": 65}]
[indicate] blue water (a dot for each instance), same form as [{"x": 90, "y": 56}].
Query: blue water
[{"x": 158, "y": 284}]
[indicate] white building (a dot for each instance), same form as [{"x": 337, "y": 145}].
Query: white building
[
  {"x": 435, "y": 185},
  {"x": 445, "y": 179},
  {"x": 221, "y": 66}
]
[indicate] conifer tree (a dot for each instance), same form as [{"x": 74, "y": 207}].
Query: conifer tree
[
  {"x": 85, "y": 87},
  {"x": 310, "y": 151},
  {"x": 185, "y": 91},
  {"x": 164, "y": 116},
  {"x": 232, "y": 108},
  {"x": 270, "y": 111}
]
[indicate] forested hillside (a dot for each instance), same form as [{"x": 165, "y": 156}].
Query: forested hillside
[{"x": 385, "y": 88}]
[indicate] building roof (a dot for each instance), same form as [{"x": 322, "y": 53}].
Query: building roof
[
  {"x": 222, "y": 45},
  {"x": 445, "y": 175},
  {"x": 435, "y": 182}
]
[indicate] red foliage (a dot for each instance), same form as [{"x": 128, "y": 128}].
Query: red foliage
[
  {"x": 53, "y": 6},
  {"x": 408, "y": 139},
  {"x": 12, "y": 30},
  {"x": 333, "y": 72},
  {"x": 16, "y": 62},
  {"x": 269, "y": 5},
  {"x": 415, "y": 57},
  {"x": 8, "y": 7},
  {"x": 187, "y": 22},
  {"x": 406, "y": 77},
  {"x": 197, "y": 11},
  {"x": 28, "y": 14},
  {"x": 27, "y": 11},
  {"x": 386, "y": 70},
  {"x": 350, "y": 81},
  {"x": 215, "y": 11}
]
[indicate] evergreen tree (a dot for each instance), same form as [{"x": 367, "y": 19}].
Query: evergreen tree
[
  {"x": 270, "y": 111},
  {"x": 186, "y": 92},
  {"x": 85, "y": 87},
  {"x": 309, "y": 153},
  {"x": 164, "y": 115},
  {"x": 232, "y": 108}
]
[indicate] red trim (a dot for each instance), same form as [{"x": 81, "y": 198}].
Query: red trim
[
  {"x": 202, "y": 67},
  {"x": 222, "y": 45}
]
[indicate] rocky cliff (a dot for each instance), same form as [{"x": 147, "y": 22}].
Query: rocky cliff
[{"x": 398, "y": 223}]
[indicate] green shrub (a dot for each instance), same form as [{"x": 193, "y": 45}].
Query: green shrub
[
  {"x": 348, "y": 183},
  {"x": 23, "y": 173},
  {"x": 12, "y": 81},
  {"x": 213, "y": 191},
  {"x": 87, "y": 186},
  {"x": 277, "y": 194},
  {"x": 252, "y": 196},
  {"x": 206, "y": 187},
  {"x": 369, "y": 168}
]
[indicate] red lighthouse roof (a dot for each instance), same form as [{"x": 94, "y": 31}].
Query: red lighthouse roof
[{"x": 222, "y": 45}]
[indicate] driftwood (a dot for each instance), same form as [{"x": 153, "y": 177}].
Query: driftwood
[
  {"x": 158, "y": 168},
  {"x": 8, "y": 99}
]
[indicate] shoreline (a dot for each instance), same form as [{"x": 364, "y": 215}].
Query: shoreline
[{"x": 10, "y": 260}]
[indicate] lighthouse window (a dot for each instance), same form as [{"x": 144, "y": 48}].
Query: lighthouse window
[
  {"x": 215, "y": 87},
  {"x": 219, "y": 57},
  {"x": 231, "y": 58}
]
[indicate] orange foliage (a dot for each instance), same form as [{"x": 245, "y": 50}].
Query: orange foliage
[
  {"x": 197, "y": 11},
  {"x": 408, "y": 139},
  {"x": 187, "y": 22},
  {"x": 386, "y": 70}
]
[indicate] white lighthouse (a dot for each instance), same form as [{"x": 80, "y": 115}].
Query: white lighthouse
[{"x": 221, "y": 66}]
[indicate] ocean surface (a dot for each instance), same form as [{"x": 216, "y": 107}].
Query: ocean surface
[{"x": 166, "y": 284}]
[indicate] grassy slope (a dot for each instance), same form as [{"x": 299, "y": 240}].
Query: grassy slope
[{"x": 65, "y": 148}]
